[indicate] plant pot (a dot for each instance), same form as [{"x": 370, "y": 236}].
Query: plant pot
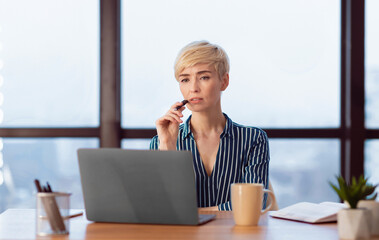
[
  {"x": 354, "y": 223},
  {"x": 373, "y": 207}
]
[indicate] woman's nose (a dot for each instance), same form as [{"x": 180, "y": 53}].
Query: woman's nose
[{"x": 195, "y": 86}]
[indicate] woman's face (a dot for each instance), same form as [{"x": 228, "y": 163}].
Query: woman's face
[{"x": 202, "y": 87}]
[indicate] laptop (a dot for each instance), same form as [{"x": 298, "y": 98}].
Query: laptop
[{"x": 139, "y": 186}]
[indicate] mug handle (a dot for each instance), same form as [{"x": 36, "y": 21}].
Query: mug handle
[{"x": 273, "y": 199}]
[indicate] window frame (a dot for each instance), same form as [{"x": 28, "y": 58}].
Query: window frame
[{"x": 351, "y": 133}]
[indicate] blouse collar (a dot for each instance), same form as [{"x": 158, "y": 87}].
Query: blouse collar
[{"x": 227, "y": 130}]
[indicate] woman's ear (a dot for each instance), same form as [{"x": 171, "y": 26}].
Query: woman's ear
[{"x": 225, "y": 81}]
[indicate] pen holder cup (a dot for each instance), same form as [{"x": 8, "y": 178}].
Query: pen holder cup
[{"x": 53, "y": 209}]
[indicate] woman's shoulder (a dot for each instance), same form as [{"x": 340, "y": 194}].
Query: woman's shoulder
[
  {"x": 239, "y": 127},
  {"x": 256, "y": 133},
  {"x": 244, "y": 127}
]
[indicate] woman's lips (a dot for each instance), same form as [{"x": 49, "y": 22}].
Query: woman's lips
[{"x": 195, "y": 100}]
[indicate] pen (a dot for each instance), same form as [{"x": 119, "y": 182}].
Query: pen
[
  {"x": 73, "y": 216},
  {"x": 48, "y": 187},
  {"x": 184, "y": 102},
  {"x": 38, "y": 185}
]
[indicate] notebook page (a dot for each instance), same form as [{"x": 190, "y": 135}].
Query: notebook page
[{"x": 309, "y": 212}]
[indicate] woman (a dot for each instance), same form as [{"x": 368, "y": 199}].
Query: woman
[{"x": 223, "y": 152}]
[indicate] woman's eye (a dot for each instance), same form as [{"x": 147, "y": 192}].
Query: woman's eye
[
  {"x": 204, "y": 78},
  {"x": 184, "y": 80}
]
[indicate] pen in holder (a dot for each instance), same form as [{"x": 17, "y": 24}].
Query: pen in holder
[
  {"x": 52, "y": 214},
  {"x": 52, "y": 210}
]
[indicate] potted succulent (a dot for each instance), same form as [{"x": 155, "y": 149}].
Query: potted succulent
[
  {"x": 373, "y": 206},
  {"x": 353, "y": 222}
]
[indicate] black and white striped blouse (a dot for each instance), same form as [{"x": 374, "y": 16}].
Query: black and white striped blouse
[{"x": 243, "y": 156}]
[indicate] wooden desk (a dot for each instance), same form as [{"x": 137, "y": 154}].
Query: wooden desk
[{"x": 20, "y": 224}]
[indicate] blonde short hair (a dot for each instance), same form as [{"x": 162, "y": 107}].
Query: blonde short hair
[{"x": 202, "y": 52}]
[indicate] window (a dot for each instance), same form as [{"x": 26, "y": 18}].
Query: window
[
  {"x": 50, "y": 159},
  {"x": 49, "y": 54},
  {"x": 372, "y": 64},
  {"x": 296, "y": 71},
  {"x": 301, "y": 168},
  {"x": 49, "y": 95},
  {"x": 371, "y": 160},
  {"x": 135, "y": 144},
  {"x": 280, "y": 64}
]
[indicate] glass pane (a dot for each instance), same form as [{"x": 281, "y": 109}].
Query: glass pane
[
  {"x": 372, "y": 161},
  {"x": 49, "y": 63},
  {"x": 301, "y": 168},
  {"x": 136, "y": 144},
  {"x": 372, "y": 63},
  {"x": 53, "y": 160},
  {"x": 285, "y": 58}
]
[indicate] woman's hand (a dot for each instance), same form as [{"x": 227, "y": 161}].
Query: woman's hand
[
  {"x": 215, "y": 208},
  {"x": 168, "y": 127}
]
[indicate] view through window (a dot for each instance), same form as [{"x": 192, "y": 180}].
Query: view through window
[
  {"x": 49, "y": 77},
  {"x": 372, "y": 87}
]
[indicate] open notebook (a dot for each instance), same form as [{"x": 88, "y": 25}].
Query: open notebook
[{"x": 310, "y": 212}]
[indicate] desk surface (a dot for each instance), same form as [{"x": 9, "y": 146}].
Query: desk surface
[{"x": 20, "y": 224}]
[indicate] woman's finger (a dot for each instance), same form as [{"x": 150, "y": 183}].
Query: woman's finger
[
  {"x": 166, "y": 119},
  {"x": 176, "y": 112},
  {"x": 175, "y": 116}
]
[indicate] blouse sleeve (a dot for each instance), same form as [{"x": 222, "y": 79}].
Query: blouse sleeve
[
  {"x": 154, "y": 143},
  {"x": 256, "y": 169}
]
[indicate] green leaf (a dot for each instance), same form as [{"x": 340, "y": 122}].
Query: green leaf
[
  {"x": 336, "y": 190},
  {"x": 373, "y": 197},
  {"x": 355, "y": 191},
  {"x": 354, "y": 182}
]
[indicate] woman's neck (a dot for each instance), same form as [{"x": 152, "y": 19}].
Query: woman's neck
[{"x": 203, "y": 123}]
